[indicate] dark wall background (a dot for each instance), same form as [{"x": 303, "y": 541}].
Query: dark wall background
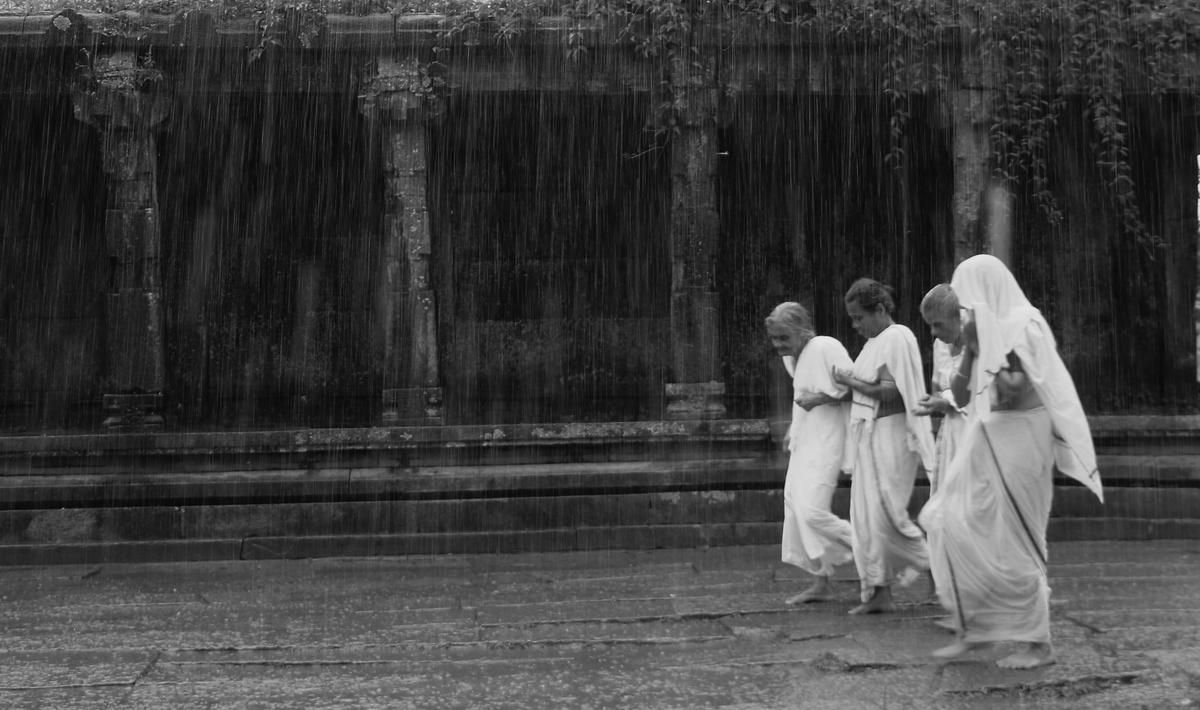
[
  {"x": 53, "y": 265},
  {"x": 549, "y": 216},
  {"x": 1122, "y": 311},
  {"x": 550, "y": 223},
  {"x": 271, "y": 230},
  {"x": 809, "y": 203}
]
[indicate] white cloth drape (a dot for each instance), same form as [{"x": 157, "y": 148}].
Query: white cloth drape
[
  {"x": 814, "y": 539},
  {"x": 1006, "y": 322},
  {"x": 883, "y": 455},
  {"x": 987, "y": 528},
  {"x": 945, "y": 364},
  {"x": 987, "y": 521}
]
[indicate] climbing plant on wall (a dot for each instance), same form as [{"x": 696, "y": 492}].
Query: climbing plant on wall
[{"x": 1034, "y": 53}]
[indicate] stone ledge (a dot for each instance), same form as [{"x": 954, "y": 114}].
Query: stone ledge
[
  {"x": 383, "y": 438},
  {"x": 760, "y": 431},
  {"x": 518, "y": 510},
  {"x": 113, "y": 488},
  {"x": 201, "y": 28},
  {"x": 632, "y": 537}
]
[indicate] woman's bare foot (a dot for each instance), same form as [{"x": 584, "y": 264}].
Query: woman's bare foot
[
  {"x": 1035, "y": 655},
  {"x": 946, "y": 622},
  {"x": 880, "y": 602},
  {"x": 820, "y": 591},
  {"x": 956, "y": 649}
]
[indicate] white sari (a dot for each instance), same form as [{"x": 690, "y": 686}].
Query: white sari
[
  {"x": 814, "y": 539},
  {"x": 945, "y": 364},
  {"x": 987, "y": 524},
  {"x": 992, "y": 506},
  {"x": 883, "y": 456}
]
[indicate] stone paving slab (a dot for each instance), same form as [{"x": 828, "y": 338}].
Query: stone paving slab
[
  {"x": 34, "y": 670},
  {"x": 668, "y": 629}
]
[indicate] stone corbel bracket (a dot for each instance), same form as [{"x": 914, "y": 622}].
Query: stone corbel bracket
[
  {"x": 120, "y": 91},
  {"x": 407, "y": 88}
]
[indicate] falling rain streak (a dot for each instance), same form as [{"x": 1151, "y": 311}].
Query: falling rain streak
[
  {"x": 523, "y": 239},
  {"x": 401, "y": 282}
]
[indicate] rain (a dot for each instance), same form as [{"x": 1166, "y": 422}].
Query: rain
[{"x": 422, "y": 353}]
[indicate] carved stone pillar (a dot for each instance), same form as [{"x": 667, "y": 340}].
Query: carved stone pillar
[
  {"x": 970, "y": 112},
  {"x": 122, "y": 99},
  {"x": 396, "y": 99},
  {"x": 697, "y": 389}
]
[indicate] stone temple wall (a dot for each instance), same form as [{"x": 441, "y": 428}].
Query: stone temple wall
[{"x": 344, "y": 234}]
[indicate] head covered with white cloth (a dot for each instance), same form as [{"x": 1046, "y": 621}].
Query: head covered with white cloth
[{"x": 1005, "y": 321}]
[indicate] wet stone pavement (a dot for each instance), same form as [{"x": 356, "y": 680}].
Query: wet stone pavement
[{"x": 685, "y": 629}]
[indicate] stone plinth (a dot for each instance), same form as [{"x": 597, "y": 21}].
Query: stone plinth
[
  {"x": 695, "y": 400},
  {"x": 132, "y": 411},
  {"x": 413, "y": 406}
]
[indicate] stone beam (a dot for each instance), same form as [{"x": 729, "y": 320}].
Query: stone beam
[{"x": 755, "y": 57}]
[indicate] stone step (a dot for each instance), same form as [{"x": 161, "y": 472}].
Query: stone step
[
  {"x": 573, "y": 538},
  {"x": 467, "y": 489},
  {"x": 118, "y": 486},
  {"x": 637, "y": 519},
  {"x": 467, "y": 445}
]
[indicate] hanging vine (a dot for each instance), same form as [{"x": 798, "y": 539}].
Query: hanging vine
[
  {"x": 1040, "y": 54},
  {"x": 1013, "y": 47}
]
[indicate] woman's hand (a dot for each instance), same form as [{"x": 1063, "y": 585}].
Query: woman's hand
[
  {"x": 933, "y": 403},
  {"x": 842, "y": 376}
]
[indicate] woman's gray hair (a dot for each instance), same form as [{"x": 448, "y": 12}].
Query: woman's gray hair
[
  {"x": 941, "y": 300},
  {"x": 793, "y": 316}
]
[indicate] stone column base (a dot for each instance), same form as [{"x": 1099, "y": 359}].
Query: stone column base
[
  {"x": 695, "y": 400},
  {"x": 413, "y": 406},
  {"x": 132, "y": 411}
]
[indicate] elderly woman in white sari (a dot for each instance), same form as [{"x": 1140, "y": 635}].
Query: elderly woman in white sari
[
  {"x": 885, "y": 445},
  {"x": 940, "y": 311},
  {"x": 992, "y": 505},
  {"x": 814, "y": 539}
]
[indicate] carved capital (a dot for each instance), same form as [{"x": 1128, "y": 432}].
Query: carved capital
[
  {"x": 695, "y": 91},
  {"x": 120, "y": 91},
  {"x": 402, "y": 90}
]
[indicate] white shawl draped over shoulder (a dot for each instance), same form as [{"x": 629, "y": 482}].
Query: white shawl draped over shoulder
[
  {"x": 815, "y": 375},
  {"x": 1006, "y": 322},
  {"x": 895, "y": 347}
]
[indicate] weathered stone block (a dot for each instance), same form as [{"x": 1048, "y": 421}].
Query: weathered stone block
[
  {"x": 413, "y": 406},
  {"x": 131, "y": 194},
  {"x": 694, "y": 323},
  {"x": 131, "y": 234},
  {"x": 194, "y": 28},
  {"x": 127, "y": 154},
  {"x": 134, "y": 341},
  {"x": 695, "y": 400},
  {"x": 133, "y": 411}
]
